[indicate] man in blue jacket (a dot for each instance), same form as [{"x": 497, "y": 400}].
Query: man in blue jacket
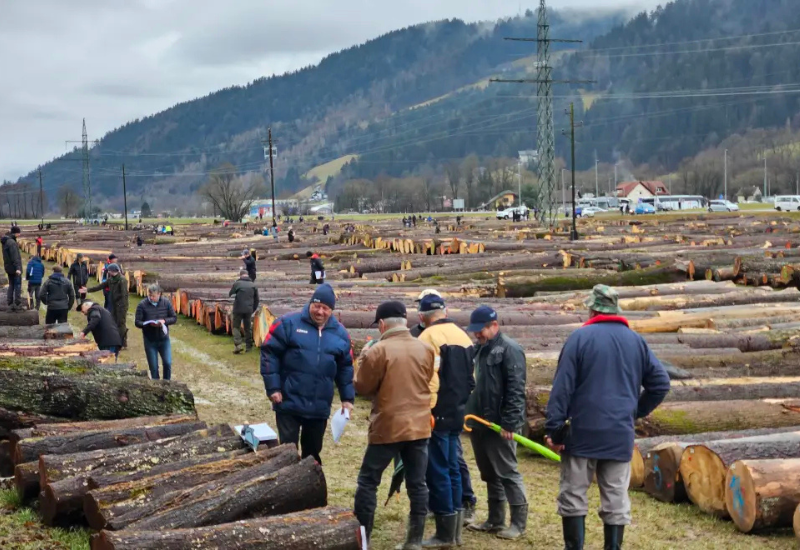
[
  {"x": 34, "y": 273},
  {"x": 302, "y": 357},
  {"x": 595, "y": 399}
]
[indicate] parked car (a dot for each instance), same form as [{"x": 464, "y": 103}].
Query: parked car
[
  {"x": 644, "y": 208},
  {"x": 722, "y": 206},
  {"x": 787, "y": 203},
  {"x": 590, "y": 211},
  {"x": 508, "y": 213}
]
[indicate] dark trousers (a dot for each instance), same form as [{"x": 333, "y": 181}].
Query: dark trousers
[
  {"x": 307, "y": 432},
  {"x": 14, "y": 296},
  {"x": 497, "y": 462},
  {"x": 242, "y": 330},
  {"x": 376, "y": 460},
  {"x": 443, "y": 475},
  {"x": 112, "y": 349},
  {"x": 152, "y": 349},
  {"x": 55, "y": 316},
  {"x": 467, "y": 494},
  {"x": 81, "y": 296},
  {"x": 33, "y": 293}
]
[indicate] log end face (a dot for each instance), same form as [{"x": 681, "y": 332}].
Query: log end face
[
  {"x": 662, "y": 478},
  {"x": 796, "y": 522},
  {"x": 740, "y": 496},
  {"x": 637, "y": 470},
  {"x": 703, "y": 475},
  {"x": 94, "y": 517}
]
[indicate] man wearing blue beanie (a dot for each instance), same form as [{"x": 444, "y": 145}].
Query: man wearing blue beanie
[{"x": 302, "y": 357}]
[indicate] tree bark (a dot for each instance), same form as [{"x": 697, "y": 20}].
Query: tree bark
[
  {"x": 762, "y": 494},
  {"x": 26, "y": 480},
  {"x": 25, "y": 318},
  {"x": 91, "y": 397},
  {"x": 117, "y": 506},
  {"x": 253, "y": 491},
  {"x": 87, "y": 364},
  {"x": 704, "y": 465},
  {"x": 662, "y": 478},
  {"x": 319, "y": 528},
  {"x": 46, "y": 429},
  {"x": 61, "y": 331},
  {"x": 726, "y": 389},
  {"x": 14, "y": 420}
]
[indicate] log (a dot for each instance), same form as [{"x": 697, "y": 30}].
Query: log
[
  {"x": 783, "y": 362},
  {"x": 319, "y": 528},
  {"x": 246, "y": 493},
  {"x": 26, "y": 480},
  {"x": 662, "y": 478},
  {"x": 91, "y": 397},
  {"x": 796, "y": 522},
  {"x": 61, "y": 331},
  {"x": 15, "y": 419},
  {"x": 6, "y": 464},
  {"x": 117, "y": 506},
  {"x": 25, "y": 318},
  {"x": 727, "y": 389},
  {"x": 28, "y": 450},
  {"x": 704, "y": 465},
  {"x": 45, "y": 429},
  {"x": 761, "y": 494}
]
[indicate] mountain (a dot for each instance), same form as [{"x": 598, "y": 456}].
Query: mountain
[{"x": 317, "y": 114}]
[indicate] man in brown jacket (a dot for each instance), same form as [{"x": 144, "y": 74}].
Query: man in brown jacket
[{"x": 396, "y": 373}]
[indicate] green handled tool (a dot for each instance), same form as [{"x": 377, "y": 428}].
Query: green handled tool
[{"x": 524, "y": 441}]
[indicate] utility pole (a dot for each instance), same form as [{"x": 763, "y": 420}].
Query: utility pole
[
  {"x": 797, "y": 183},
  {"x": 125, "y": 196},
  {"x": 271, "y": 175},
  {"x": 615, "y": 175},
  {"x": 765, "y": 173},
  {"x": 573, "y": 235},
  {"x": 87, "y": 184},
  {"x": 519, "y": 183},
  {"x": 596, "y": 186},
  {"x": 545, "y": 133},
  {"x": 563, "y": 192},
  {"x": 41, "y": 196},
  {"x": 726, "y": 174}
]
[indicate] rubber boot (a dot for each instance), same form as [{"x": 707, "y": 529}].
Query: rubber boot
[
  {"x": 445, "y": 536},
  {"x": 496, "y": 521},
  {"x": 613, "y": 536},
  {"x": 367, "y": 521},
  {"x": 469, "y": 513},
  {"x": 460, "y": 523},
  {"x": 414, "y": 532},
  {"x": 574, "y": 530},
  {"x": 519, "y": 521}
]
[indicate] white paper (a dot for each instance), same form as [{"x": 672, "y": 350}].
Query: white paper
[
  {"x": 319, "y": 275},
  {"x": 163, "y": 327},
  {"x": 262, "y": 432},
  {"x": 338, "y": 423}
]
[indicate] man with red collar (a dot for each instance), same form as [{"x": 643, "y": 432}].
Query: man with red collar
[{"x": 595, "y": 400}]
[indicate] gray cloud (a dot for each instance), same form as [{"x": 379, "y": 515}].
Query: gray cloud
[{"x": 111, "y": 61}]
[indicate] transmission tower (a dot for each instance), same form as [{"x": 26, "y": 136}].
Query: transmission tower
[
  {"x": 87, "y": 184},
  {"x": 545, "y": 132}
]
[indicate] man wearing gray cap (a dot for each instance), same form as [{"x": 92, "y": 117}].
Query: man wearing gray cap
[{"x": 595, "y": 400}]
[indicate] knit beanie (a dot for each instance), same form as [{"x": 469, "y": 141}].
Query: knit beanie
[{"x": 324, "y": 295}]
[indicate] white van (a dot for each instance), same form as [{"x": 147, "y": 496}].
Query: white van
[{"x": 787, "y": 203}]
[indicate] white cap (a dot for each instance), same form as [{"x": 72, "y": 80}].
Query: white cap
[{"x": 427, "y": 292}]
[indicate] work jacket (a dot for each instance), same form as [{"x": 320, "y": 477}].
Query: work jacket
[
  {"x": 79, "y": 274},
  {"x": 34, "y": 272},
  {"x": 57, "y": 293},
  {"x": 12, "y": 261},
  {"x": 101, "y": 325},
  {"x": 245, "y": 297},
  {"x": 146, "y": 311},
  {"x": 250, "y": 266}
]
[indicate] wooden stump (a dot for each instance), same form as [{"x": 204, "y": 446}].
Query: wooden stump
[
  {"x": 662, "y": 478},
  {"x": 761, "y": 494},
  {"x": 796, "y": 522}
]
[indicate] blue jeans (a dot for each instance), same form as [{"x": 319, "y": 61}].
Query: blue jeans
[
  {"x": 467, "y": 494},
  {"x": 154, "y": 348},
  {"x": 444, "y": 475}
]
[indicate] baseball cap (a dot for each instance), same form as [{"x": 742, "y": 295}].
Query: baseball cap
[
  {"x": 427, "y": 292},
  {"x": 479, "y": 318},
  {"x": 390, "y": 309},
  {"x": 431, "y": 302},
  {"x": 603, "y": 299}
]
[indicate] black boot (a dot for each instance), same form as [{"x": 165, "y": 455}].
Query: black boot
[
  {"x": 519, "y": 521},
  {"x": 496, "y": 521},
  {"x": 574, "y": 529},
  {"x": 460, "y": 528},
  {"x": 367, "y": 520},
  {"x": 613, "y": 536},
  {"x": 414, "y": 533},
  {"x": 469, "y": 513},
  {"x": 445, "y": 536}
]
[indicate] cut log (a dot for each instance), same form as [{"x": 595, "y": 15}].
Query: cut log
[
  {"x": 796, "y": 522},
  {"x": 6, "y": 464},
  {"x": 117, "y": 506},
  {"x": 662, "y": 477},
  {"x": 46, "y": 429},
  {"x": 761, "y": 494},
  {"x": 246, "y": 493},
  {"x": 14, "y": 420},
  {"x": 28, "y": 450},
  {"x": 25, "y": 318},
  {"x": 91, "y": 397},
  {"x": 60, "y": 331},
  {"x": 727, "y": 389},
  {"x": 704, "y": 466},
  {"x": 26, "y": 480},
  {"x": 320, "y": 528}
]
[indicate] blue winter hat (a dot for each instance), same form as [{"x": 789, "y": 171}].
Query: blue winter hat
[
  {"x": 324, "y": 295},
  {"x": 481, "y": 317}
]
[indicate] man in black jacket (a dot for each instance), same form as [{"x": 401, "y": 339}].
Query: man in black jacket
[
  {"x": 12, "y": 262},
  {"x": 102, "y": 326},
  {"x": 245, "y": 303},
  {"x": 58, "y": 295},
  {"x": 249, "y": 264},
  {"x": 154, "y": 315},
  {"x": 79, "y": 275},
  {"x": 317, "y": 269},
  {"x": 499, "y": 397}
]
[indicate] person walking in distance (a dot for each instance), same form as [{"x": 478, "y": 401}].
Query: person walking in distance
[
  {"x": 102, "y": 326},
  {"x": 303, "y": 356},
  {"x": 317, "y": 269},
  {"x": 12, "y": 262},
  {"x": 117, "y": 286},
  {"x": 58, "y": 295},
  {"x": 245, "y": 304},
  {"x": 154, "y": 316},
  {"x": 39, "y": 245},
  {"x": 595, "y": 433},
  {"x": 395, "y": 373},
  {"x": 249, "y": 264},
  {"x": 499, "y": 397},
  {"x": 79, "y": 275},
  {"x": 34, "y": 273},
  {"x": 453, "y": 350}
]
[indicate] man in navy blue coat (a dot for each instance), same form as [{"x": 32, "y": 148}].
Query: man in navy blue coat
[
  {"x": 596, "y": 398},
  {"x": 302, "y": 357}
]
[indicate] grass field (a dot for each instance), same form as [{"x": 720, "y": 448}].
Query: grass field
[{"x": 228, "y": 388}]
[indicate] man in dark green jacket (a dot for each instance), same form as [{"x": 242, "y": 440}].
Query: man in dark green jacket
[
  {"x": 245, "y": 303},
  {"x": 499, "y": 397},
  {"x": 117, "y": 298}
]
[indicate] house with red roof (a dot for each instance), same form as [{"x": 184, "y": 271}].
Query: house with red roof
[{"x": 635, "y": 190}]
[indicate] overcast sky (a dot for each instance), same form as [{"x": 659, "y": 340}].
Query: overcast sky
[{"x": 115, "y": 60}]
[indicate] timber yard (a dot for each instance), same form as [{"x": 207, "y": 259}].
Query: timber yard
[{"x": 97, "y": 449}]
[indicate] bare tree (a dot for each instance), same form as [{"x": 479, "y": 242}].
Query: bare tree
[
  {"x": 453, "y": 171},
  {"x": 68, "y": 201},
  {"x": 231, "y": 195}
]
